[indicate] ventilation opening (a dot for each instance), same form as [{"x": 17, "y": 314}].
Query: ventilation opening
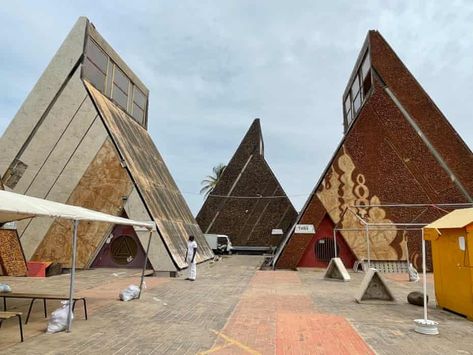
[
  {"x": 325, "y": 249},
  {"x": 123, "y": 249}
]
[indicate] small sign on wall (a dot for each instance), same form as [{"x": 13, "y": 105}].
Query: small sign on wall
[
  {"x": 277, "y": 232},
  {"x": 305, "y": 229}
]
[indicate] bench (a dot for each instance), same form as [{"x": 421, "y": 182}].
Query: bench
[
  {"x": 41, "y": 296},
  {"x": 8, "y": 315}
]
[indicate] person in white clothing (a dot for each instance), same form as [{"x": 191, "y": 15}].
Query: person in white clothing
[{"x": 190, "y": 257}]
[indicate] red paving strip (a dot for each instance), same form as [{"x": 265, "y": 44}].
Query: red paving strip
[
  {"x": 317, "y": 334},
  {"x": 265, "y": 278},
  {"x": 276, "y": 316}
]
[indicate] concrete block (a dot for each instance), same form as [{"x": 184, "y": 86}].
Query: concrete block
[
  {"x": 374, "y": 288},
  {"x": 336, "y": 271}
]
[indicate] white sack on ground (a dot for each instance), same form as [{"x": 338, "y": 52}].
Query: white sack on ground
[
  {"x": 58, "y": 321},
  {"x": 5, "y": 288},
  {"x": 129, "y": 293},
  {"x": 413, "y": 274}
]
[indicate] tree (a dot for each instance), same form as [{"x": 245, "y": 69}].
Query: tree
[{"x": 210, "y": 181}]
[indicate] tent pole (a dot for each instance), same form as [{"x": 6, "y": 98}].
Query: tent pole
[
  {"x": 368, "y": 245},
  {"x": 145, "y": 263},
  {"x": 73, "y": 274},
  {"x": 424, "y": 276},
  {"x": 335, "y": 241}
]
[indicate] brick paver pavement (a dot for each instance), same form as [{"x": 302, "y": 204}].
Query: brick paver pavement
[
  {"x": 233, "y": 308},
  {"x": 276, "y": 315},
  {"x": 389, "y": 328},
  {"x": 174, "y": 316}
]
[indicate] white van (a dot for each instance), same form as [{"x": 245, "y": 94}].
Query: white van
[{"x": 220, "y": 243}]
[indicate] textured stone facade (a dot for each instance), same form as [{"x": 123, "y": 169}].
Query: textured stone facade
[
  {"x": 80, "y": 138},
  {"x": 397, "y": 149},
  {"x": 248, "y": 201}
]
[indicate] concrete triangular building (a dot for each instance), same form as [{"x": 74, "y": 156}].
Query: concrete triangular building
[
  {"x": 81, "y": 138},
  {"x": 248, "y": 201},
  {"x": 397, "y": 148}
]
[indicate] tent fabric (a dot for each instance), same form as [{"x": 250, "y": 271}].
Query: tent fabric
[
  {"x": 455, "y": 219},
  {"x": 14, "y": 207}
]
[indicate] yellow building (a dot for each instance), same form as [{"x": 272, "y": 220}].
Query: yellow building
[{"x": 452, "y": 253}]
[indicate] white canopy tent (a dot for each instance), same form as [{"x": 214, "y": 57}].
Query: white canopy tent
[{"x": 14, "y": 207}]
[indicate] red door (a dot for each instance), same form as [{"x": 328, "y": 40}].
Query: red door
[{"x": 322, "y": 248}]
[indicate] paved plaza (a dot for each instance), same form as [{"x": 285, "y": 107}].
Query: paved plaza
[{"x": 233, "y": 308}]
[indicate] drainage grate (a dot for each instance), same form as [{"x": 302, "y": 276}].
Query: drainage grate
[{"x": 387, "y": 266}]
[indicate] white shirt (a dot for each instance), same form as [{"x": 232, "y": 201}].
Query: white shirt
[{"x": 190, "y": 249}]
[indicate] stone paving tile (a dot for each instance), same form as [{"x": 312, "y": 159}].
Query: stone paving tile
[
  {"x": 233, "y": 308},
  {"x": 173, "y": 316},
  {"x": 311, "y": 333},
  {"x": 388, "y": 328},
  {"x": 276, "y": 315}
]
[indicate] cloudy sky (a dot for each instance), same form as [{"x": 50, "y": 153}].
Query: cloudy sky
[{"x": 213, "y": 66}]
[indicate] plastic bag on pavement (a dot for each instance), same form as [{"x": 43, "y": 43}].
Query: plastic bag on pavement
[
  {"x": 5, "y": 288},
  {"x": 58, "y": 321},
  {"x": 129, "y": 293},
  {"x": 413, "y": 274}
]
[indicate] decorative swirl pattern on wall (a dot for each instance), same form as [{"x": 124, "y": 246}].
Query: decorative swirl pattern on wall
[{"x": 340, "y": 190}]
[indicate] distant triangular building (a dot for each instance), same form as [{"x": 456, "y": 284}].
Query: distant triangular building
[
  {"x": 248, "y": 201},
  {"x": 80, "y": 138},
  {"x": 398, "y": 148}
]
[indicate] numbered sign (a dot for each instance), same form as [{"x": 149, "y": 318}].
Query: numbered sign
[{"x": 305, "y": 229}]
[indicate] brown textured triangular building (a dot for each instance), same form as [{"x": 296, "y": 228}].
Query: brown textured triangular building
[
  {"x": 398, "y": 148},
  {"x": 248, "y": 201}
]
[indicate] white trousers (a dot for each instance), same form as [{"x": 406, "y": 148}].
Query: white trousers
[{"x": 192, "y": 269}]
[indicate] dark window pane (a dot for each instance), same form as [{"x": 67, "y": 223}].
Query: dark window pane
[
  {"x": 356, "y": 104},
  {"x": 95, "y": 76},
  {"x": 366, "y": 84},
  {"x": 139, "y": 98},
  {"x": 121, "y": 80},
  {"x": 96, "y": 56},
  {"x": 138, "y": 114},
  {"x": 355, "y": 87},
  {"x": 365, "y": 66},
  {"x": 349, "y": 118},
  {"x": 347, "y": 103},
  {"x": 119, "y": 96}
]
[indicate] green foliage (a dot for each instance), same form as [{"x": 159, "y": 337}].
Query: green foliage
[{"x": 210, "y": 181}]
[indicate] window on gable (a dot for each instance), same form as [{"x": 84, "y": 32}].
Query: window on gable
[
  {"x": 359, "y": 89},
  {"x": 139, "y": 105},
  {"x": 95, "y": 65},
  {"x": 120, "y": 88},
  {"x": 107, "y": 77}
]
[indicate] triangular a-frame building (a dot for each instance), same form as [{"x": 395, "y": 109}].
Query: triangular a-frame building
[
  {"x": 81, "y": 138},
  {"x": 248, "y": 201},
  {"x": 398, "y": 148}
]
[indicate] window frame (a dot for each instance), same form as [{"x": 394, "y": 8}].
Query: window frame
[
  {"x": 111, "y": 86},
  {"x": 360, "y": 77}
]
